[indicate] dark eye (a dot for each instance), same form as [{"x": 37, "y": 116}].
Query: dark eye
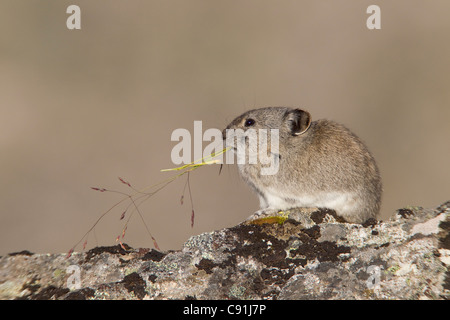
[{"x": 249, "y": 122}]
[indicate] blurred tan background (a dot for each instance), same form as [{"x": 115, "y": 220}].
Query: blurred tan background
[{"x": 81, "y": 108}]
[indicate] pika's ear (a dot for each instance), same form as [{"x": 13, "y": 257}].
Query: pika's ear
[{"x": 298, "y": 121}]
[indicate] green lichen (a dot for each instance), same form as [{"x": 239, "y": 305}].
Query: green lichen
[
  {"x": 130, "y": 271},
  {"x": 59, "y": 273},
  {"x": 393, "y": 269},
  {"x": 280, "y": 217},
  {"x": 237, "y": 291}
]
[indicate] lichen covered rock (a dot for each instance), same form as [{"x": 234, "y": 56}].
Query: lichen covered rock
[{"x": 302, "y": 254}]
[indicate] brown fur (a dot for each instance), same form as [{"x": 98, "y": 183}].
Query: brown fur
[{"x": 316, "y": 159}]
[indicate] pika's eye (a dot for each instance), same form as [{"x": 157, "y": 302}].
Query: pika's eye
[{"x": 249, "y": 122}]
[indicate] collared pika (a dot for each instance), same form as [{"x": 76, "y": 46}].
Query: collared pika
[{"x": 321, "y": 164}]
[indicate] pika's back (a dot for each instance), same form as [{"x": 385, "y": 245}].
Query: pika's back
[
  {"x": 328, "y": 139},
  {"x": 329, "y": 151}
]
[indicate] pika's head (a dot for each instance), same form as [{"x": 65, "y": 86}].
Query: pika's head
[
  {"x": 289, "y": 122},
  {"x": 261, "y": 136}
]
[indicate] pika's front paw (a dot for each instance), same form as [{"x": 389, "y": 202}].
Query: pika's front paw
[{"x": 261, "y": 214}]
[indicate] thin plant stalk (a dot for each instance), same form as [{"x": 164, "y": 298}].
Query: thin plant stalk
[{"x": 145, "y": 194}]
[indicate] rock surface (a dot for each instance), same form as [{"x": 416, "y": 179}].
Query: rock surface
[{"x": 292, "y": 255}]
